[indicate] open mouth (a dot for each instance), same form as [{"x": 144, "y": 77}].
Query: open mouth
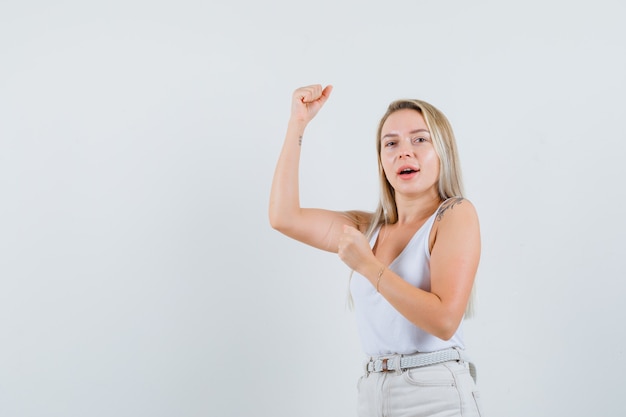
[{"x": 407, "y": 170}]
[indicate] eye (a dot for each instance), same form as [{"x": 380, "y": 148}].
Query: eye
[
  {"x": 389, "y": 143},
  {"x": 419, "y": 139}
]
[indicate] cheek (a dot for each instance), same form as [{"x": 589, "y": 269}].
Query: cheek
[
  {"x": 387, "y": 165},
  {"x": 432, "y": 160}
]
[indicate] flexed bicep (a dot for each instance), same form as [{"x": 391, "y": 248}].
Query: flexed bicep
[{"x": 322, "y": 229}]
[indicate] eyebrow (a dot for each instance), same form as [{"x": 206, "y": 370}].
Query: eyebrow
[{"x": 412, "y": 132}]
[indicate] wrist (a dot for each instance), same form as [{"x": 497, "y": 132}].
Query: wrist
[
  {"x": 295, "y": 131},
  {"x": 379, "y": 277},
  {"x": 297, "y": 125},
  {"x": 375, "y": 272}
]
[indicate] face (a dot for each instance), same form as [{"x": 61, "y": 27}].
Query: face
[{"x": 407, "y": 154}]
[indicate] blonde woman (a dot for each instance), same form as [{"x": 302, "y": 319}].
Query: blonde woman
[{"x": 414, "y": 259}]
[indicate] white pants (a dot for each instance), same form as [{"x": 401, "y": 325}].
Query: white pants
[{"x": 446, "y": 389}]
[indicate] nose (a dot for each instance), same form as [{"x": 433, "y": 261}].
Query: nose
[{"x": 405, "y": 151}]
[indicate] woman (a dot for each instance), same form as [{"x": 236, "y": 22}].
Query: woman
[{"x": 414, "y": 259}]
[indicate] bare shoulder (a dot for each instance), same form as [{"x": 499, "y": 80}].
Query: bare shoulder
[
  {"x": 456, "y": 208},
  {"x": 456, "y": 221}
]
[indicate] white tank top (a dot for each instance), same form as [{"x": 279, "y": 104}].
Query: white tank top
[{"x": 382, "y": 329}]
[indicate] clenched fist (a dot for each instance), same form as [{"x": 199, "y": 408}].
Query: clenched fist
[
  {"x": 354, "y": 249},
  {"x": 307, "y": 101}
]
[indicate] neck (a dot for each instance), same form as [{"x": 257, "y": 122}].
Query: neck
[{"x": 416, "y": 209}]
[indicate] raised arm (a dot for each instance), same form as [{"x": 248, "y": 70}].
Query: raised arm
[{"x": 316, "y": 227}]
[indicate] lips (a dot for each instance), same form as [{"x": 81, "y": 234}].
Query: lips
[{"x": 407, "y": 170}]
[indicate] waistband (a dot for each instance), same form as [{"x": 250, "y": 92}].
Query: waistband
[{"x": 416, "y": 360}]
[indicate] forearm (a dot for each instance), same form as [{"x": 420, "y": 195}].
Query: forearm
[
  {"x": 285, "y": 192},
  {"x": 424, "y": 309}
]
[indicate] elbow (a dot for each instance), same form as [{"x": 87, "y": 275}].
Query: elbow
[
  {"x": 278, "y": 218},
  {"x": 274, "y": 221},
  {"x": 446, "y": 334},
  {"x": 278, "y": 222},
  {"x": 284, "y": 218},
  {"x": 446, "y": 329}
]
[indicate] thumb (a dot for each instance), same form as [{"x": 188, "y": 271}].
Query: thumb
[
  {"x": 326, "y": 92},
  {"x": 324, "y": 95}
]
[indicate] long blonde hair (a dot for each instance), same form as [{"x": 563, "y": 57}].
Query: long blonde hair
[{"x": 450, "y": 183}]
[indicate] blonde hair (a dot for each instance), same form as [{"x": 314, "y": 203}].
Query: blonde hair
[{"x": 450, "y": 183}]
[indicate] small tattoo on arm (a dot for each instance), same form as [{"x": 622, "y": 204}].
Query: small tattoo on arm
[
  {"x": 300, "y": 140},
  {"x": 448, "y": 204}
]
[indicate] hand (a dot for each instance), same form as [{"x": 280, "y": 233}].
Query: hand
[
  {"x": 307, "y": 101},
  {"x": 354, "y": 249}
]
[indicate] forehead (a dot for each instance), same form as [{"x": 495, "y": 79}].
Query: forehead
[{"x": 404, "y": 120}]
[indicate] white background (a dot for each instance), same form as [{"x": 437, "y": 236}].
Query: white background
[{"x": 138, "y": 272}]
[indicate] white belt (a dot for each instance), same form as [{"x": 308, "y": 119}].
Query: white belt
[{"x": 418, "y": 360}]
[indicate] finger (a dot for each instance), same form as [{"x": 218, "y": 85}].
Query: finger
[
  {"x": 321, "y": 96},
  {"x": 309, "y": 93}
]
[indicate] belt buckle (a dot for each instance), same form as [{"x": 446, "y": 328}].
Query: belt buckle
[{"x": 384, "y": 365}]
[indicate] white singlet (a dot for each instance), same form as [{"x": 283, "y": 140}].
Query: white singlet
[{"x": 384, "y": 331}]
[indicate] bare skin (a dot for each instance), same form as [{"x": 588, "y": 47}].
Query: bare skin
[{"x": 454, "y": 239}]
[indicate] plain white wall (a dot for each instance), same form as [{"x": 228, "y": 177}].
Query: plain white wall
[{"x": 138, "y": 272}]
